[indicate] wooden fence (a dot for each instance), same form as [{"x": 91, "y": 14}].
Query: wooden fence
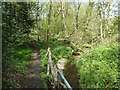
[{"x": 56, "y": 74}]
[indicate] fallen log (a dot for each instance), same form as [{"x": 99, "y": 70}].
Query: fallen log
[{"x": 80, "y": 49}]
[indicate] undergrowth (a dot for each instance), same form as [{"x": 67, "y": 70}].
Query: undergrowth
[
  {"x": 17, "y": 58},
  {"x": 98, "y": 68}
]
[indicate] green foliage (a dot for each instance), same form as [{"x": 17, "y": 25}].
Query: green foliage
[
  {"x": 27, "y": 21},
  {"x": 16, "y": 29},
  {"x": 16, "y": 22},
  {"x": 58, "y": 50},
  {"x": 9, "y": 85},
  {"x": 17, "y": 58},
  {"x": 43, "y": 75},
  {"x": 99, "y": 67}
]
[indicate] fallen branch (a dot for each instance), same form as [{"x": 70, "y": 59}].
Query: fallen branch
[
  {"x": 76, "y": 46},
  {"x": 48, "y": 66},
  {"x": 51, "y": 69},
  {"x": 51, "y": 65}
]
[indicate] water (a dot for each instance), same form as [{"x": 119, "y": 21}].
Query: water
[{"x": 71, "y": 73}]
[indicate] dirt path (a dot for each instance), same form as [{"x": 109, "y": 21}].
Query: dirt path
[{"x": 34, "y": 69}]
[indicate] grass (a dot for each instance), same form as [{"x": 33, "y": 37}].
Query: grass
[
  {"x": 98, "y": 68},
  {"x": 18, "y": 58},
  {"x": 58, "y": 50}
]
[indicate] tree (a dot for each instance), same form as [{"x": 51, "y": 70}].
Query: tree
[
  {"x": 16, "y": 25},
  {"x": 49, "y": 15}
]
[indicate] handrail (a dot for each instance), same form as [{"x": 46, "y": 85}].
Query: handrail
[{"x": 59, "y": 74}]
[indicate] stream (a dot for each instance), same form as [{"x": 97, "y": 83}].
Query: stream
[{"x": 71, "y": 72}]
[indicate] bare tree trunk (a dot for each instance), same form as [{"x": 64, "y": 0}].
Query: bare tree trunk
[
  {"x": 79, "y": 4},
  {"x": 101, "y": 31},
  {"x": 108, "y": 11},
  {"x": 63, "y": 19},
  {"x": 101, "y": 28},
  {"x": 104, "y": 19},
  {"x": 49, "y": 23},
  {"x": 101, "y": 21}
]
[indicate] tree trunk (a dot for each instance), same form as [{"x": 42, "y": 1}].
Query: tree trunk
[
  {"x": 79, "y": 4},
  {"x": 101, "y": 21},
  {"x": 104, "y": 19},
  {"x": 63, "y": 19},
  {"x": 108, "y": 11},
  {"x": 49, "y": 23},
  {"x": 101, "y": 31}
]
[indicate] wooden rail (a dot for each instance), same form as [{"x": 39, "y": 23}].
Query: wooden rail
[
  {"x": 56, "y": 74},
  {"x": 50, "y": 68}
]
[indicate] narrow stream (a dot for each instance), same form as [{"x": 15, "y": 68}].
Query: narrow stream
[{"x": 71, "y": 73}]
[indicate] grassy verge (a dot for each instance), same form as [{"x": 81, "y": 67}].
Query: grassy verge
[
  {"x": 98, "y": 68},
  {"x": 18, "y": 58}
]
